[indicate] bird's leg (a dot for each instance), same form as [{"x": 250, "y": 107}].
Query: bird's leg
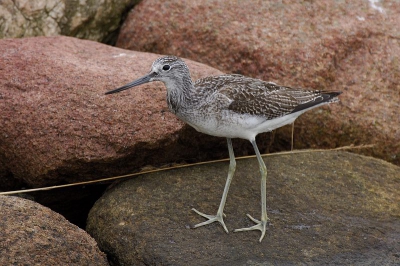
[
  {"x": 220, "y": 212},
  {"x": 292, "y": 136},
  {"x": 260, "y": 225}
]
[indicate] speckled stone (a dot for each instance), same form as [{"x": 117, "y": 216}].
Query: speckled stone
[
  {"x": 326, "y": 208},
  {"x": 58, "y": 126},
  {"x": 32, "y": 234}
]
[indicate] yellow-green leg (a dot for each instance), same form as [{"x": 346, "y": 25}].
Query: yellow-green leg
[
  {"x": 220, "y": 213},
  {"x": 260, "y": 225}
]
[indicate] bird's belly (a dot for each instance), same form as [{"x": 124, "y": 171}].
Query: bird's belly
[{"x": 235, "y": 125}]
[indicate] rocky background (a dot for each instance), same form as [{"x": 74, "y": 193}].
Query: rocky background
[{"x": 57, "y": 58}]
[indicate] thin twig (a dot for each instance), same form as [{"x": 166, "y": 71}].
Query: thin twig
[{"x": 351, "y": 147}]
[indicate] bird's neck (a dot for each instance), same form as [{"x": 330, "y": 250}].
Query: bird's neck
[{"x": 180, "y": 93}]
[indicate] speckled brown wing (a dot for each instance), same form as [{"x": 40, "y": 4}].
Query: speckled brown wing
[{"x": 257, "y": 97}]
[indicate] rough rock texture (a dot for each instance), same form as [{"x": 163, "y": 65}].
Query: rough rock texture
[
  {"x": 34, "y": 235},
  {"x": 94, "y": 20},
  {"x": 352, "y": 46},
  {"x": 326, "y": 208},
  {"x": 58, "y": 126}
]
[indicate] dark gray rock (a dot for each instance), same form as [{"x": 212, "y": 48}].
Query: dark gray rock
[{"x": 326, "y": 208}]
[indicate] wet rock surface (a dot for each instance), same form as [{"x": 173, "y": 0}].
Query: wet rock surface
[{"x": 326, "y": 208}]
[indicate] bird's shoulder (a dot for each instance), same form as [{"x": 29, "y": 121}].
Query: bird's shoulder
[{"x": 238, "y": 87}]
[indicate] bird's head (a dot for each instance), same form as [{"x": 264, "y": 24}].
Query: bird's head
[{"x": 169, "y": 69}]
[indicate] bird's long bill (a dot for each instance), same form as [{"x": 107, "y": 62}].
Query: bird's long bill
[{"x": 134, "y": 83}]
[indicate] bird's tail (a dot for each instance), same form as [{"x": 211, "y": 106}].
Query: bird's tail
[{"x": 331, "y": 97}]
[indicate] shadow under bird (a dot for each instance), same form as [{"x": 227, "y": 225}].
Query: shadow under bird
[{"x": 231, "y": 106}]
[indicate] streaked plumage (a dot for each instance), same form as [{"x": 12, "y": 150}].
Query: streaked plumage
[{"x": 231, "y": 106}]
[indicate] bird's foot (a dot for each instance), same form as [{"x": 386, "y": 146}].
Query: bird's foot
[
  {"x": 211, "y": 218},
  {"x": 259, "y": 225}
]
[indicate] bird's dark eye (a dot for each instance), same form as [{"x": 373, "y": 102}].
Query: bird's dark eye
[{"x": 166, "y": 67}]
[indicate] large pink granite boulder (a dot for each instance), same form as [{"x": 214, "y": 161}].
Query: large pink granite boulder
[
  {"x": 58, "y": 126},
  {"x": 351, "y": 46}
]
